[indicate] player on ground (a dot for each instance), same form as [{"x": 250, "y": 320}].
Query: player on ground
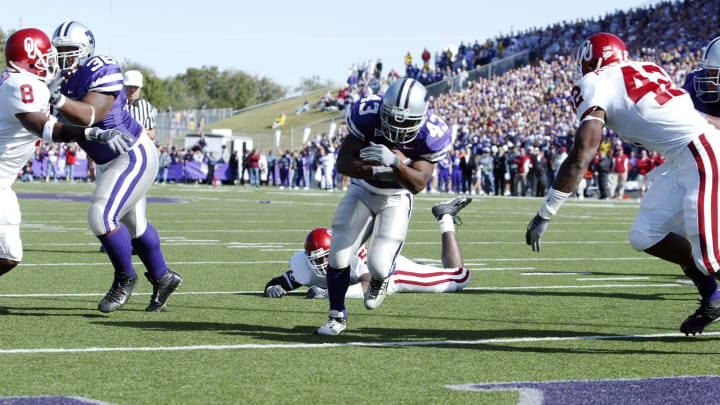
[
  {"x": 703, "y": 84},
  {"x": 639, "y": 102},
  {"x": 308, "y": 268},
  {"x": 380, "y": 197},
  {"x": 31, "y": 62},
  {"x": 94, "y": 96}
]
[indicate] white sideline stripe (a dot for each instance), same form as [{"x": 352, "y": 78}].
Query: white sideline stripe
[
  {"x": 543, "y": 287},
  {"x": 348, "y": 344},
  {"x": 611, "y": 278},
  {"x": 502, "y": 268},
  {"x": 559, "y": 273}
]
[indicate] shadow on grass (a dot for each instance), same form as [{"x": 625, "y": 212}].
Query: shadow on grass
[
  {"x": 46, "y": 311},
  {"x": 303, "y": 334}
]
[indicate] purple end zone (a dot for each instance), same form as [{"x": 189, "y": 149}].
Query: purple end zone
[
  {"x": 661, "y": 390},
  {"x": 49, "y": 400},
  {"x": 81, "y": 198}
]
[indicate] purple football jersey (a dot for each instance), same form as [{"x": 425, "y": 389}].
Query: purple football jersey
[
  {"x": 102, "y": 74},
  {"x": 705, "y": 108},
  {"x": 431, "y": 143}
]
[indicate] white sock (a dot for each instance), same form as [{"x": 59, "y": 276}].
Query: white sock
[{"x": 447, "y": 224}]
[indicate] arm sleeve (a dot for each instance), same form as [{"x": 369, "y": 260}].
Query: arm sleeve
[{"x": 353, "y": 124}]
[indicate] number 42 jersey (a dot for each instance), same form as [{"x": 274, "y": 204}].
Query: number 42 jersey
[{"x": 642, "y": 105}]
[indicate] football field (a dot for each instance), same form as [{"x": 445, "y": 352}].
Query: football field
[{"x": 587, "y": 320}]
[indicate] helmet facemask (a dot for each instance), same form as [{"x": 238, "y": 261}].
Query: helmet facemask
[
  {"x": 318, "y": 261},
  {"x": 399, "y": 125},
  {"x": 72, "y": 57},
  {"x": 707, "y": 87}
]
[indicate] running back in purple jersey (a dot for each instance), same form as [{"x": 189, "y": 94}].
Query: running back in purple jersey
[
  {"x": 102, "y": 74},
  {"x": 705, "y": 108},
  {"x": 431, "y": 144}
]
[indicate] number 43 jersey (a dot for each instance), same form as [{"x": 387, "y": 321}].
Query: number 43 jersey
[
  {"x": 642, "y": 105},
  {"x": 431, "y": 143}
]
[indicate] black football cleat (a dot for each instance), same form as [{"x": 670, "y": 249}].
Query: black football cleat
[
  {"x": 451, "y": 208},
  {"x": 162, "y": 289},
  {"x": 708, "y": 313},
  {"x": 120, "y": 292}
]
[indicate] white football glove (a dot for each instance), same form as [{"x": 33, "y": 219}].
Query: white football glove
[
  {"x": 316, "y": 292},
  {"x": 378, "y": 153},
  {"x": 535, "y": 230},
  {"x": 275, "y": 291},
  {"x": 118, "y": 141}
]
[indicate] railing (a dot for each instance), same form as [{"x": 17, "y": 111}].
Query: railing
[
  {"x": 498, "y": 67},
  {"x": 169, "y": 125}
]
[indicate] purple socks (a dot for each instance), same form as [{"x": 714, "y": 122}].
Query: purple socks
[
  {"x": 147, "y": 247},
  {"x": 337, "y": 283},
  {"x": 117, "y": 247}
]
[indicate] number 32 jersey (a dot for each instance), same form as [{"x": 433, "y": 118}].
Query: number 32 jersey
[{"x": 642, "y": 105}]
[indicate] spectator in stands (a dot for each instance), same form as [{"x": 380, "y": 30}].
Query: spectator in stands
[
  {"x": 253, "y": 162},
  {"x": 70, "y": 163},
  {"x": 271, "y": 160},
  {"x": 524, "y": 164},
  {"x": 602, "y": 164},
  {"x": 618, "y": 174},
  {"x": 51, "y": 163},
  {"x": 279, "y": 121},
  {"x": 426, "y": 59},
  {"x": 540, "y": 173},
  {"x": 500, "y": 173},
  {"x": 164, "y": 166},
  {"x": 467, "y": 169},
  {"x": 378, "y": 69},
  {"x": 486, "y": 167},
  {"x": 644, "y": 165}
]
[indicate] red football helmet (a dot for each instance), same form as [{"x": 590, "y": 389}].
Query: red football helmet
[
  {"x": 599, "y": 50},
  {"x": 317, "y": 248},
  {"x": 30, "y": 51}
]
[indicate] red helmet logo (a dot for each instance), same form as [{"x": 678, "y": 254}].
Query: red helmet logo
[
  {"x": 599, "y": 50},
  {"x": 317, "y": 248},
  {"x": 30, "y": 51}
]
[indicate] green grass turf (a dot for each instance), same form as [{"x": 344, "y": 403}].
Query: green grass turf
[{"x": 205, "y": 227}]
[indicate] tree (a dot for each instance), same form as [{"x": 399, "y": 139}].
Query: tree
[{"x": 308, "y": 84}]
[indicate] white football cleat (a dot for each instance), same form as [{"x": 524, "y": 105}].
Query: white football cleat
[
  {"x": 375, "y": 294},
  {"x": 335, "y": 324}
]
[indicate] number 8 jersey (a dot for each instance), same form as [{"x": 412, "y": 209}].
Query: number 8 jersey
[{"x": 642, "y": 105}]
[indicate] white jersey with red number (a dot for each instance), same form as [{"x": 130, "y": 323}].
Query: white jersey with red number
[
  {"x": 408, "y": 276},
  {"x": 19, "y": 93},
  {"x": 642, "y": 105}
]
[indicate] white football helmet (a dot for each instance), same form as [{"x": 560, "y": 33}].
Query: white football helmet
[
  {"x": 707, "y": 83},
  {"x": 73, "y": 34},
  {"x": 403, "y": 109}
]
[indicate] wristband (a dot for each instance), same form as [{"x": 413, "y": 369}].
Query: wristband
[
  {"x": 92, "y": 115},
  {"x": 60, "y": 101},
  {"x": 87, "y": 133},
  {"x": 552, "y": 203},
  {"x": 47, "y": 134}
]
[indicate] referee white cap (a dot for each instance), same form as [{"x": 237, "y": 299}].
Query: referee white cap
[{"x": 133, "y": 78}]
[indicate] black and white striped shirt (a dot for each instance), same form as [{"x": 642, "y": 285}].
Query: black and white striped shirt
[{"x": 143, "y": 112}]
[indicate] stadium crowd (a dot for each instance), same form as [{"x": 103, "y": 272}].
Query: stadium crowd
[{"x": 511, "y": 131}]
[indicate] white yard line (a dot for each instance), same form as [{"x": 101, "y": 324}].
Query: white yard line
[
  {"x": 560, "y": 287},
  {"x": 559, "y": 273},
  {"x": 502, "y": 268},
  {"x": 611, "y": 278},
  {"x": 348, "y": 344}
]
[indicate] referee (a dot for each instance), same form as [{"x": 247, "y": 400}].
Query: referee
[{"x": 139, "y": 108}]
